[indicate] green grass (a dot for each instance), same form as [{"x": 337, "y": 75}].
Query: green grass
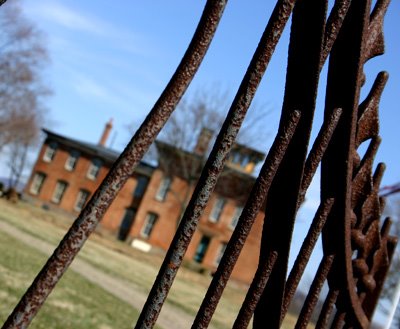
[{"x": 75, "y": 302}]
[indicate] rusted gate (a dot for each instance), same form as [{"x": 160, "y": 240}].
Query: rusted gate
[{"x": 356, "y": 248}]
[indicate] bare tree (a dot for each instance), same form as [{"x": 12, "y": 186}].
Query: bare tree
[
  {"x": 22, "y": 91},
  {"x": 178, "y": 151}
]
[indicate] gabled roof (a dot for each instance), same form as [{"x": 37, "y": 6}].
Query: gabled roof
[
  {"x": 95, "y": 150},
  {"x": 232, "y": 183}
]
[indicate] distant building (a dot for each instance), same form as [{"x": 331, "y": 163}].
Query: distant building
[{"x": 147, "y": 210}]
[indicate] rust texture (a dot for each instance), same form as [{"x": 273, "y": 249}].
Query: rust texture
[
  {"x": 357, "y": 249},
  {"x": 120, "y": 172},
  {"x": 315, "y": 290},
  {"x": 356, "y": 214},
  {"x": 245, "y": 223},
  {"x": 254, "y": 293},
  {"x": 215, "y": 163},
  {"x": 305, "y": 253},
  {"x": 308, "y": 21},
  {"x": 327, "y": 309}
]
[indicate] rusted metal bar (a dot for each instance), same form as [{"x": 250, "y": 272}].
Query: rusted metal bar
[
  {"x": 375, "y": 42},
  {"x": 246, "y": 220},
  {"x": 338, "y": 320},
  {"x": 123, "y": 168},
  {"x": 317, "y": 151},
  {"x": 305, "y": 252},
  {"x": 315, "y": 290},
  {"x": 215, "y": 163},
  {"x": 333, "y": 26},
  {"x": 302, "y": 78},
  {"x": 327, "y": 308},
  {"x": 254, "y": 293},
  {"x": 345, "y": 77}
]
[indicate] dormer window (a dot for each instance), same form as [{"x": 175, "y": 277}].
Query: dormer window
[
  {"x": 236, "y": 157},
  {"x": 50, "y": 152},
  {"x": 94, "y": 169},
  {"x": 244, "y": 158}
]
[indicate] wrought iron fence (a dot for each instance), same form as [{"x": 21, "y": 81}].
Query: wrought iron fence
[{"x": 356, "y": 248}]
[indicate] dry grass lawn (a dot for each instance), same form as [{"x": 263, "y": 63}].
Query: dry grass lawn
[{"x": 107, "y": 254}]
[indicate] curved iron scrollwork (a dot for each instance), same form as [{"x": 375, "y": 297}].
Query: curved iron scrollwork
[{"x": 356, "y": 249}]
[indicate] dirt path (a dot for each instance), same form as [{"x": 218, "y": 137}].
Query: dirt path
[{"x": 170, "y": 317}]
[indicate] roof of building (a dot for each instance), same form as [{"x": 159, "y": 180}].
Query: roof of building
[
  {"x": 106, "y": 154},
  {"x": 231, "y": 183}
]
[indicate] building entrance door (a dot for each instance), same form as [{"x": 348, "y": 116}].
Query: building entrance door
[
  {"x": 126, "y": 223},
  {"x": 201, "y": 249}
]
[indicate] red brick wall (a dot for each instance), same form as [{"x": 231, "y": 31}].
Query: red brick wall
[
  {"x": 77, "y": 180},
  {"x": 168, "y": 210}
]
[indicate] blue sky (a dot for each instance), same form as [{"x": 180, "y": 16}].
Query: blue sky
[{"x": 112, "y": 59}]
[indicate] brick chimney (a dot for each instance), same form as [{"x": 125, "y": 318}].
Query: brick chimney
[
  {"x": 203, "y": 141},
  {"x": 106, "y": 133}
]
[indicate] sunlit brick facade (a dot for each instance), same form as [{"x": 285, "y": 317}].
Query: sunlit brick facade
[{"x": 147, "y": 210}]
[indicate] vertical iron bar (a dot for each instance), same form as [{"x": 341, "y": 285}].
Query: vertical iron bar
[
  {"x": 302, "y": 78},
  {"x": 315, "y": 290},
  {"x": 317, "y": 151},
  {"x": 123, "y": 168},
  {"x": 338, "y": 320},
  {"x": 333, "y": 25},
  {"x": 215, "y": 163},
  {"x": 327, "y": 308},
  {"x": 305, "y": 252},
  {"x": 245, "y": 223},
  {"x": 254, "y": 293}
]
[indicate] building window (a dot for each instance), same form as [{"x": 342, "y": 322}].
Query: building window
[
  {"x": 221, "y": 252},
  {"x": 148, "y": 225},
  {"x": 70, "y": 164},
  {"x": 163, "y": 189},
  {"x": 59, "y": 191},
  {"x": 126, "y": 223},
  {"x": 81, "y": 199},
  {"x": 201, "y": 249},
  {"x": 50, "y": 152},
  {"x": 235, "y": 157},
  {"x": 245, "y": 160},
  {"x": 217, "y": 210},
  {"x": 236, "y": 215},
  {"x": 94, "y": 169},
  {"x": 141, "y": 185},
  {"x": 37, "y": 183}
]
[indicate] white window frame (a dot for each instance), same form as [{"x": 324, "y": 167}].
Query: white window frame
[
  {"x": 163, "y": 188},
  {"x": 81, "y": 199},
  {"x": 50, "y": 152},
  {"x": 59, "y": 191},
  {"x": 37, "y": 183},
  {"x": 221, "y": 251},
  {"x": 94, "y": 169},
  {"x": 217, "y": 210},
  {"x": 72, "y": 160},
  {"x": 148, "y": 225},
  {"x": 236, "y": 216}
]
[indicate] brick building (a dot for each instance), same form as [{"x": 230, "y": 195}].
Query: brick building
[{"x": 147, "y": 210}]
